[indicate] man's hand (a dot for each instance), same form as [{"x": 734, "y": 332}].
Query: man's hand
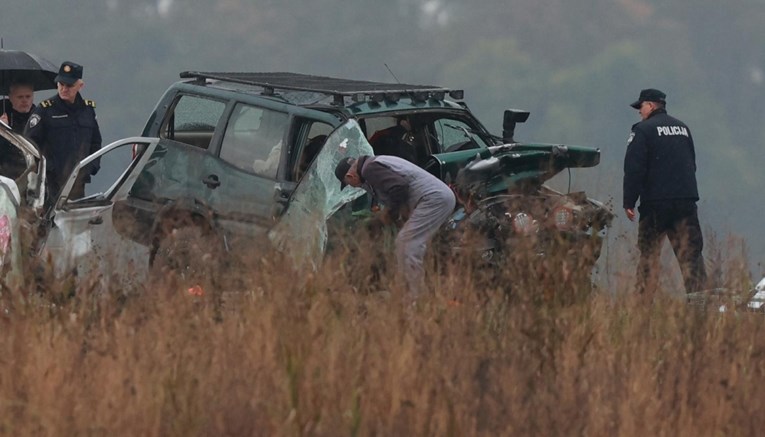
[
  {"x": 4, "y": 117},
  {"x": 630, "y": 213},
  {"x": 384, "y": 217}
]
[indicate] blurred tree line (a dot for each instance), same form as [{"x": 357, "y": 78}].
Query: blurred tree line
[{"x": 575, "y": 65}]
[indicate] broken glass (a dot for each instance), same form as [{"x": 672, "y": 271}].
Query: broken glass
[{"x": 302, "y": 231}]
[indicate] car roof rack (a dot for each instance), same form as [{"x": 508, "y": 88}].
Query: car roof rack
[{"x": 356, "y": 90}]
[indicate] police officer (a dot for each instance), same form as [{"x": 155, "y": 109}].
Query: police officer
[
  {"x": 410, "y": 195},
  {"x": 660, "y": 170},
  {"x": 66, "y": 131}
]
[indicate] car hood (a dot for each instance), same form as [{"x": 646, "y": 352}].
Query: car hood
[{"x": 510, "y": 164}]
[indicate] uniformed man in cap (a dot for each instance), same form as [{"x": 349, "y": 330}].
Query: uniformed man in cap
[
  {"x": 66, "y": 131},
  {"x": 660, "y": 171}
]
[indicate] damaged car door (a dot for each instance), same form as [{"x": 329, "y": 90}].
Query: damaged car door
[
  {"x": 82, "y": 237},
  {"x": 302, "y": 229}
]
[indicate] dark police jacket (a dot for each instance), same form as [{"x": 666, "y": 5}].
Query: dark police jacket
[
  {"x": 660, "y": 163},
  {"x": 65, "y": 133}
]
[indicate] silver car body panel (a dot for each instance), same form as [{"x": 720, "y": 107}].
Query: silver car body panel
[
  {"x": 83, "y": 236},
  {"x": 10, "y": 248}
]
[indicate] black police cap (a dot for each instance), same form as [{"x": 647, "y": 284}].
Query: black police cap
[
  {"x": 69, "y": 73},
  {"x": 649, "y": 95}
]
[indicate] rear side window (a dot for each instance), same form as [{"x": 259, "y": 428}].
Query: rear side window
[
  {"x": 253, "y": 139},
  {"x": 311, "y": 142},
  {"x": 193, "y": 120}
]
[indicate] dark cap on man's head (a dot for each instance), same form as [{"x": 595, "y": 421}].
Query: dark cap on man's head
[
  {"x": 69, "y": 73},
  {"x": 342, "y": 168},
  {"x": 649, "y": 95}
]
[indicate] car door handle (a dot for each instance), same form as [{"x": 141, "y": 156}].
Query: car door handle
[
  {"x": 212, "y": 181},
  {"x": 97, "y": 220},
  {"x": 282, "y": 195}
]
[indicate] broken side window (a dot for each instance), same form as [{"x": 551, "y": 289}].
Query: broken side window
[{"x": 302, "y": 230}]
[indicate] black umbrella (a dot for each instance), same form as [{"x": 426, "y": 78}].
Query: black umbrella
[{"x": 21, "y": 66}]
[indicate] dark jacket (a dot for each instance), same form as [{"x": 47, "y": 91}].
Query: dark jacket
[
  {"x": 660, "y": 163},
  {"x": 65, "y": 133},
  {"x": 16, "y": 120}
]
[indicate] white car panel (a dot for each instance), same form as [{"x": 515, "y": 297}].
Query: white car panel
[{"x": 83, "y": 237}]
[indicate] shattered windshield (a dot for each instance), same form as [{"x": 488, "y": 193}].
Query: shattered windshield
[
  {"x": 452, "y": 134},
  {"x": 302, "y": 230}
]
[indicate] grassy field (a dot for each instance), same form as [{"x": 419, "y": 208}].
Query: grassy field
[{"x": 334, "y": 353}]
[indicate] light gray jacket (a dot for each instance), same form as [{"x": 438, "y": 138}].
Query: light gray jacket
[{"x": 397, "y": 183}]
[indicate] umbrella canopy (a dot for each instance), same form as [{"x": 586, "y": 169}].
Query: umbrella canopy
[{"x": 17, "y": 65}]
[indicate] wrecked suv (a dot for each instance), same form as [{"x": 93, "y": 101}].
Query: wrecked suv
[{"x": 230, "y": 158}]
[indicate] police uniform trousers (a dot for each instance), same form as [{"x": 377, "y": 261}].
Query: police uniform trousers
[{"x": 678, "y": 220}]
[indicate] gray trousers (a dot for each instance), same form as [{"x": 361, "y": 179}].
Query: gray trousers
[{"x": 412, "y": 240}]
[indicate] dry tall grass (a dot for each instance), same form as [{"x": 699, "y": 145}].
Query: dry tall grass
[{"x": 333, "y": 353}]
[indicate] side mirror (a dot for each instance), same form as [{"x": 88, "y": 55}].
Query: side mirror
[{"x": 511, "y": 117}]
